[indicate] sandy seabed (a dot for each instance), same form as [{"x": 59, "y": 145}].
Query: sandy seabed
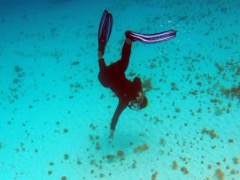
[{"x": 55, "y": 115}]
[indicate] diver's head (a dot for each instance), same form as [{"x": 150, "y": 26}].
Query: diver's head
[
  {"x": 144, "y": 103},
  {"x": 139, "y": 103}
]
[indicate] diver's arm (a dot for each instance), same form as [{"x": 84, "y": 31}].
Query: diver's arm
[{"x": 121, "y": 106}]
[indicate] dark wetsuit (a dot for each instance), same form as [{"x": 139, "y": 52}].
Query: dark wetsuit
[{"x": 113, "y": 77}]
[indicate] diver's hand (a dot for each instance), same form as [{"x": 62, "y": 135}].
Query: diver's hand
[{"x": 111, "y": 134}]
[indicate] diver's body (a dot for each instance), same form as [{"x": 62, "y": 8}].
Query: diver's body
[
  {"x": 113, "y": 77},
  {"x": 129, "y": 93}
]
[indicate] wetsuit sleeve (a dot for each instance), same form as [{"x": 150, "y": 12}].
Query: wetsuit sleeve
[{"x": 121, "y": 106}]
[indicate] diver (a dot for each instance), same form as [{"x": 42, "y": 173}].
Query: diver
[{"x": 130, "y": 93}]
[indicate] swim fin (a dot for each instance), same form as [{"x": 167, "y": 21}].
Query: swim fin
[
  {"x": 151, "y": 38},
  {"x": 104, "y": 30}
]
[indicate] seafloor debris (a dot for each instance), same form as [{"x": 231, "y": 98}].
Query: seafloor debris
[
  {"x": 162, "y": 142},
  {"x": 219, "y": 174},
  {"x": 101, "y": 175},
  {"x": 110, "y": 157},
  {"x": 174, "y": 86},
  {"x": 177, "y": 110},
  {"x": 66, "y": 156},
  {"x": 234, "y": 171},
  {"x": 154, "y": 176},
  {"x": 17, "y": 69},
  {"x": 141, "y": 148},
  {"x": 79, "y": 162},
  {"x": 211, "y": 133},
  {"x": 184, "y": 170},
  {"x": 63, "y": 178},
  {"x": 75, "y": 63},
  {"x": 120, "y": 153},
  {"x": 216, "y": 101},
  {"x": 210, "y": 166},
  {"x": 220, "y": 110},
  {"x": 134, "y": 164},
  {"x": 235, "y": 160},
  {"x": 233, "y": 92},
  {"x": 174, "y": 165},
  {"x": 65, "y": 130}
]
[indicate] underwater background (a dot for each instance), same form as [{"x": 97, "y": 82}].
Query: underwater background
[{"x": 55, "y": 115}]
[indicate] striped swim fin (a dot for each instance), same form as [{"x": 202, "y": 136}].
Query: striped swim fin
[{"x": 151, "y": 38}]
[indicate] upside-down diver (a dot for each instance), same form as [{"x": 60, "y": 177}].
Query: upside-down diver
[{"x": 129, "y": 93}]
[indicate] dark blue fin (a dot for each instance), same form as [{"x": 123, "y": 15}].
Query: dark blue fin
[{"x": 104, "y": 30}]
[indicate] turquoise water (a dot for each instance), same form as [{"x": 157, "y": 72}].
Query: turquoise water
[{"x": 55, "y": 115}]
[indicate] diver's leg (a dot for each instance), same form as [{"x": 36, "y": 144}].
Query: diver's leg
[
  {"x": 103, "y": 75},
  {"x": 122, "y": 64},
  {"x": 126, "y": 52}
]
